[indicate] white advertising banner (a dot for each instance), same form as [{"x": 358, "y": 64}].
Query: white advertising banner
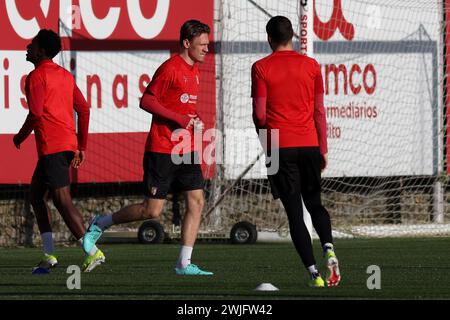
[
  {"x": 379, "y": 66},
  {"x": 113, "y": 83}
]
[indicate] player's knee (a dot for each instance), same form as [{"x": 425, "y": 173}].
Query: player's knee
[
  {"x": 37, "y": 200},
  {"x": 150, "y": 213},
  {"x": 309, "y": 206},
  {"x": 316, "y": 209},
  {"x": 59, "y": 202},
  {"x": 201, "y": 203},
  {"x": 61, "y": 198},
  {"x": 196, "y": 205},
  {"x": 312, "y": 204}
]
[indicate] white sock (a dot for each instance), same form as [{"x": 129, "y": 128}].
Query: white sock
[
  {"x": 93, "y": 250},
  {"x": 185, "y": 257},
  {"x": 105, "y": 222},
  {"x": 47, "y": 242},
  {"x": 313, "y": 269}
]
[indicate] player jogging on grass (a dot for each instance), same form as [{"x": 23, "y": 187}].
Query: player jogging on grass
[
  {"x": 171, "y": 98},
  {"x": 52, "y": 97},
  {"x": 287, "y": 92}
]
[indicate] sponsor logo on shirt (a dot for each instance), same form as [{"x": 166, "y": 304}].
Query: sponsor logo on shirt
[
  {"x": 192, "y": 99},
  {"x": 188, "y": 98},
  {"x": 184, "y": 98}
]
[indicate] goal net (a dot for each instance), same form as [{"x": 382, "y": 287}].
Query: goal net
[{"x": 382, "y": 66}]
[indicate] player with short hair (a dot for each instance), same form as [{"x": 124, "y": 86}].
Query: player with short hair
[
  {"x": 171, "y": 98},
  {"x": 52, "y": 97},
  {"x": 287, "y": 92}
]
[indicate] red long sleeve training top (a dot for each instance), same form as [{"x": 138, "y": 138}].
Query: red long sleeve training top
[
  {"x": 287, "y": 91},
  {"x": 52, "y": 96},
  {"x": 171, "y": 97}
]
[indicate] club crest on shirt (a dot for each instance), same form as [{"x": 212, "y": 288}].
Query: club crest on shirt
[
  {"x": 184, "y": 98},
  {"x": 153, "y": 190}
]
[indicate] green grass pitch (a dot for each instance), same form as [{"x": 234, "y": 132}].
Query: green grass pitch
[{"x": 410, "y": 269}]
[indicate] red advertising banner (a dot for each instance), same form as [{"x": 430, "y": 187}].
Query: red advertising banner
[
  {"x": 100, "y": 20},
  {"x": 117, "y": 27}
]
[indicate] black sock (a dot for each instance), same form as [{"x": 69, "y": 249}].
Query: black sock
[
  {"x": 299, "y": 233},
  {"x": 319, "y": 216}
]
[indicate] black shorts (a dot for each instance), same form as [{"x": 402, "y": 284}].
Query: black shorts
[
  {"x": 53, "y": 170},
  {"x": 162, "y": 175},
  {"x": 299, "y": 171}
]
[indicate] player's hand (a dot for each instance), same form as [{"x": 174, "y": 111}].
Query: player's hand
[
  {"x": 324, "y": 161},
  {"x": 198, "y": 124},
  {"x": 78, "y": 159},
  {"x": 192, "y": 121},
  {"x": 195, "y": 122},
  {"x": 16, "y": 142}
]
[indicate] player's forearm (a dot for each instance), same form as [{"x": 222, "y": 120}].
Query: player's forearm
[
  {"x": 27, "y": 128},
  {"x": 259, "y": 112},
  {"x": 320, "y": 121},
  {"x": 83, "y": 129},
  {"x": 151, "y": 104},
  {"x": 35, "y": 99},
  {"x": 83, "y": 111}
]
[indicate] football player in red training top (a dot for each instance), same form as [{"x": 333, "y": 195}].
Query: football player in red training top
[
  {"x": 171, "y": 97},
  {"x": 287, "y": 93},
  {"x": 52, "y": 97}
]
